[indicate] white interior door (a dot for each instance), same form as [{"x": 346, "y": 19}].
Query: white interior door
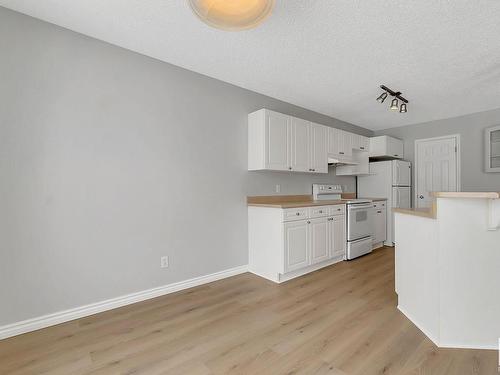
[{"x": 436, "y": 168}]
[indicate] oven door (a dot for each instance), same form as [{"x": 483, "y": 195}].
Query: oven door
[{"x": 359, "y": 221}]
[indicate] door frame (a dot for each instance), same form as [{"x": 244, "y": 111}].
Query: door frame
[{"x": 458, "y": 161}]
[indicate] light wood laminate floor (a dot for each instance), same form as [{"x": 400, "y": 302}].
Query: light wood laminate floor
[{"x": 339, "y": 320}]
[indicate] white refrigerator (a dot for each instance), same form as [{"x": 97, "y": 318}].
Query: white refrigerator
[{"x": 389, "y": 179}]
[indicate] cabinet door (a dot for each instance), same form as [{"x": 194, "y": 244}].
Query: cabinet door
[
  {"x": 380, "y": 225},
  {"x": 355, "y": 141},
  {"x": 318, "y": 146},
  {"x": 345, "y": 143},
  {"x": 299, "y": 144},
  {"x": 333, "y": 142},
  {"x": 337, "y": 240},
  {"x": 277, "y": 140},
  {"x": 296, "y": 245},
  {"x": 363, "y": 143},
  {"x": 395, "y": 147},
  {"x": 319, "y": 240}
]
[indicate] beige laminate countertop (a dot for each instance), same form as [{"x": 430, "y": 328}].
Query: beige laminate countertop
[
  {"x": 291, "y": 204},
  {"x": 296, "y": 201}
]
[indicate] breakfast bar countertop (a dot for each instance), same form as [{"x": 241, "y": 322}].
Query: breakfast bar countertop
[
  {"x": 431, "y": 212},
  {"x": 467, "y": 194},
  {"x": 423, "y": 212}
]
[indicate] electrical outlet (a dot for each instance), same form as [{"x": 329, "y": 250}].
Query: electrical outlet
[
  {"x": 164, "y": 261},
  {"x": 277, "y": 188}
]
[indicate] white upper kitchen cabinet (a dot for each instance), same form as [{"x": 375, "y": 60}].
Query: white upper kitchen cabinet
[
  {"x": 318, "y": 148},
  {"x": 385, "y": 147},
  {"x": 345, "y": 143},
  {"x": 300, "y": 145},
  {"x": 280, "y": 142},
  {"x": 268, "y": 141},
  {"x": 360, "y": 142},
  {"x": 339, "y": 143}
]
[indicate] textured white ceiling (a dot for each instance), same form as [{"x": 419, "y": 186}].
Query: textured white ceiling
[{"x": 325, "y": 55}]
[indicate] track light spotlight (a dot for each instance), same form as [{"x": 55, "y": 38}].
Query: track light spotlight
[
  {"x": 382, "y": 97},
  {"x": 394, "y": 105},
  {"x": 403, "y": 109}
]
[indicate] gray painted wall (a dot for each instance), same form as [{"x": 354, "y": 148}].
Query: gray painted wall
[
  {"x": 110, "y": 159},
  {"x": 471, "y": 130}
]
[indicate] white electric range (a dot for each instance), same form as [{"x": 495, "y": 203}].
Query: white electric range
[{"x": 359, "y": 223}]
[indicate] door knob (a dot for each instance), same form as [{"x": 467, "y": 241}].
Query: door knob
[{"x": 421, "y": 196}]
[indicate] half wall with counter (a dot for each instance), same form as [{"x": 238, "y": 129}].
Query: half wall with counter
[{"x": 448, "y": 269}]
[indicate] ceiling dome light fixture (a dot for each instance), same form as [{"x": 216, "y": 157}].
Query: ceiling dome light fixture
[
  {"x": 232, "y": 15},
  {"x": 394, "y": 103}
]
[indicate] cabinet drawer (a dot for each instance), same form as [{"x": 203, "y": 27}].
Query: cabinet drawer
[
  {"x": 291, "y": 214},
  {"x": 337, "y": 210},
  {"x": 319, "y": 211}
]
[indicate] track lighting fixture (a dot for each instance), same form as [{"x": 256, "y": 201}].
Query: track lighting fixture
[{"x": 395, "y": 102}]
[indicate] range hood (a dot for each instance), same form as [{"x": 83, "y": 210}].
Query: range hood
[{"x": 336, "y": 161}]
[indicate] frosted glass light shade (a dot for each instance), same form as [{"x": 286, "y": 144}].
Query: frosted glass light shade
[{"x": 232, "y": 15}]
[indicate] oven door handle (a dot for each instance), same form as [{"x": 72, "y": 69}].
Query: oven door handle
[{"x": 359, "y": 207}]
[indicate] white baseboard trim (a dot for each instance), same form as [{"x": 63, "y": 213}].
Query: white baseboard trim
[
  {"x": 315, "y": 267},
  {"x": 447, "y": 345},
  {"x": 468, "y": 346},
  {"x": 34, "y": 324}
]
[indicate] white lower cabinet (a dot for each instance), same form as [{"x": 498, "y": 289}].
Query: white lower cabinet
[
  {"x": 337, "y": 236},
  {"x": 284, "y": 244},
  {"x": 319, "y": 240},
  {"x": 296, "y": 245}
]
